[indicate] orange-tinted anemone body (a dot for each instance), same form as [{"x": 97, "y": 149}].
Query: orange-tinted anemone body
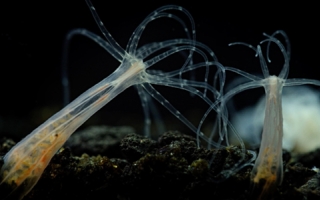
[
  {"x": 26, "y": 161},
  {"x": 267, "y": 172}
]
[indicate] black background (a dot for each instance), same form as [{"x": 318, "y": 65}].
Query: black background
[{"x": 32, "y": 34}]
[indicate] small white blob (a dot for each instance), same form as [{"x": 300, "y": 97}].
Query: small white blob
[{"x": 301, "y": 120}]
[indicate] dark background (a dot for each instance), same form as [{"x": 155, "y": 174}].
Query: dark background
[{"x": 32, "y": 34}]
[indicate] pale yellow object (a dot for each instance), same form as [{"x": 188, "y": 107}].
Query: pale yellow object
[{"x": 301, "y": 117}]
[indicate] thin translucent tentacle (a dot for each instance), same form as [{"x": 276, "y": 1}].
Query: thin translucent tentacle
[{"x": 104, "y": 31}]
